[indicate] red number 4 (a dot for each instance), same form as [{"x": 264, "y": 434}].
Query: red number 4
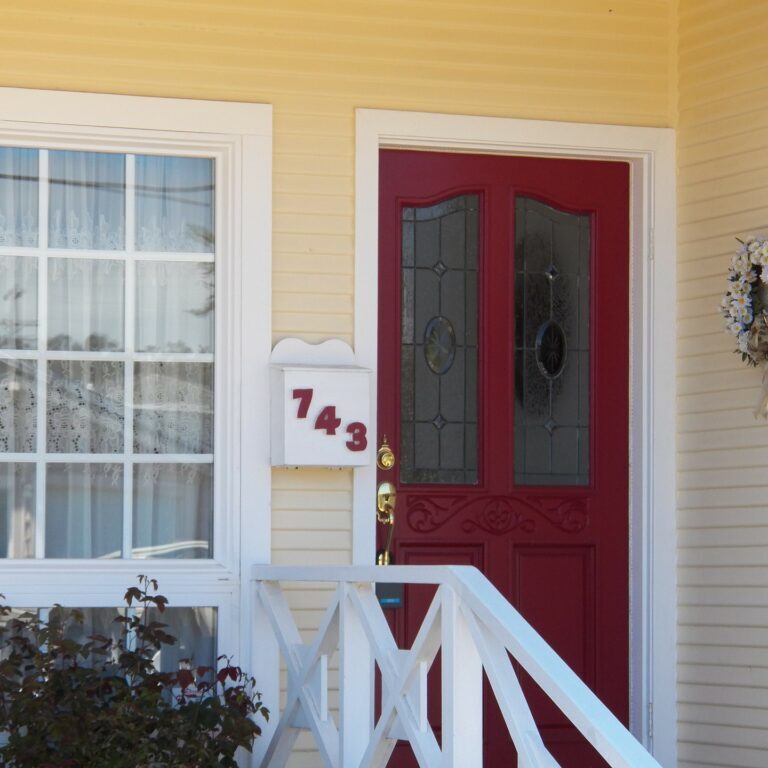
[{"x": 327, "y": 420}]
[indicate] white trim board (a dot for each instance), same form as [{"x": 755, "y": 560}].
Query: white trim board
[{"x": 651, "y": 154}]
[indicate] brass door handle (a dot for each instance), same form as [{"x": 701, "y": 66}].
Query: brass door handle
[{"x": 386, "y": 498}]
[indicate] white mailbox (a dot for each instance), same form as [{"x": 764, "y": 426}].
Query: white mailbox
[{"x": 321, "y": 406}]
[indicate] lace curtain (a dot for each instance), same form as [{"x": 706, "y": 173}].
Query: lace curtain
[
  {"x": 174, "y": 204},
  {"x": 174, "y": 306},
  {"x": 18, "y": 197},
  {"x": 17, "y": 510},
  {"x": 18, "y": 302},
  {"x": 87, "y": 195},
  {"x": 172, "y": 505},
  {"x": 193, "y": 628},
  {"x": 87, "y": 201},
  {"x": 173, "y": 408},
  {"x": 18, "y": 406},
  {"x": 85, "y": 412},
  {"x": 84, "y": 510},
  {"x": 86, "y": 303}
]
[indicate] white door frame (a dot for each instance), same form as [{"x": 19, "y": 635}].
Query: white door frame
[{"x": 651, "y": 155}]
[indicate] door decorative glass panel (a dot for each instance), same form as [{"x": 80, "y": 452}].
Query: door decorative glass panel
[
  {"x": 106, "y": 355},
  {"x": 438, "y": 359},
  {"x": 552, "y": 256}
]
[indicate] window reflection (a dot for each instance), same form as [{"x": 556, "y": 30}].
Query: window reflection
[
  {"x": 18, "y": 197},
  {"x": 84, "y": 510},
  {"x": 18, "y": 302},
  {"x": 174, "y": 204},
  {"x": 174, "y": 306},
  {"x": 85, "y": 304},
  {"x": 172, "y": 510},
  {"x": 17, "y": 510}
]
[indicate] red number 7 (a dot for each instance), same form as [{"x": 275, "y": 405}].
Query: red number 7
[{"x": 304, "y": 396}]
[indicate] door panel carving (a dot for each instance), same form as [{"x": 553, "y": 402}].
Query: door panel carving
[{"x": 496, "y": 514}]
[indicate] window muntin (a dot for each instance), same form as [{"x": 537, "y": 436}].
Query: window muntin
[{"x": 106, "y": 354}]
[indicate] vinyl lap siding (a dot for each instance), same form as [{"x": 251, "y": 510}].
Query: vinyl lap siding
[
  {"x": 723, "y": 514},
  {"x": 315, "y": 61}
]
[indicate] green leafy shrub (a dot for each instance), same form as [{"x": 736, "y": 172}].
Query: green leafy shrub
[{"x": 100, "y": 702}]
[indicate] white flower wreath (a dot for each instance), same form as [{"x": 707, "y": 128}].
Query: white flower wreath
[{"x": 745, "y": 306}]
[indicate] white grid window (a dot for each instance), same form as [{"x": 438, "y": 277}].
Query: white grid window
[
  {"x": 120, "y": 218},
  {"x": 107, "y": 264}
]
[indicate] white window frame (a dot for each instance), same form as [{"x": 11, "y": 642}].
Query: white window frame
[
  {"x": 651, "y": 155},
  {"x": 239, "y": 138}
]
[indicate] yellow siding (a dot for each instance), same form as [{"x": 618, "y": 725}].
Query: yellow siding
[
  {"x": 315, "y": 61},
  {"x": 723, "y": 451}
]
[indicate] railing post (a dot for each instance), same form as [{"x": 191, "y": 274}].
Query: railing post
[
  {"x": 265, "y": 659},
  {"x": 462, "y": 689},
  {"x": 355, "y": 681}
]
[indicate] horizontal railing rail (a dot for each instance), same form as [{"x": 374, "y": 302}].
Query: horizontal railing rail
[{"x": 472, "y": 625}]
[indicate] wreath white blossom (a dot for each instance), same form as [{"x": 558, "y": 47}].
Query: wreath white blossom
[{"x": 745, "y": 305}]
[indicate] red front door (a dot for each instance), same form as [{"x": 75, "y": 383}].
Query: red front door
[{"x": 503, "y": 391}]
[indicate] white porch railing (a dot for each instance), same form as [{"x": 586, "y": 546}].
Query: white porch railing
[{"x": 474, "y": 627}]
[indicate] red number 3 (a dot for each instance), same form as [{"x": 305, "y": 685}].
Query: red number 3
[{"x": 358, "y": 432}]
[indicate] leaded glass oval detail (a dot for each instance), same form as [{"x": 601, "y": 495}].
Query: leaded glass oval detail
[
  {"x": 439, "y": 345},
  {"x": 551, "y": 349}
]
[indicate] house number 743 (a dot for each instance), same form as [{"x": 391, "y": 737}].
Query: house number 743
[{"x": 328, "y": 422}]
